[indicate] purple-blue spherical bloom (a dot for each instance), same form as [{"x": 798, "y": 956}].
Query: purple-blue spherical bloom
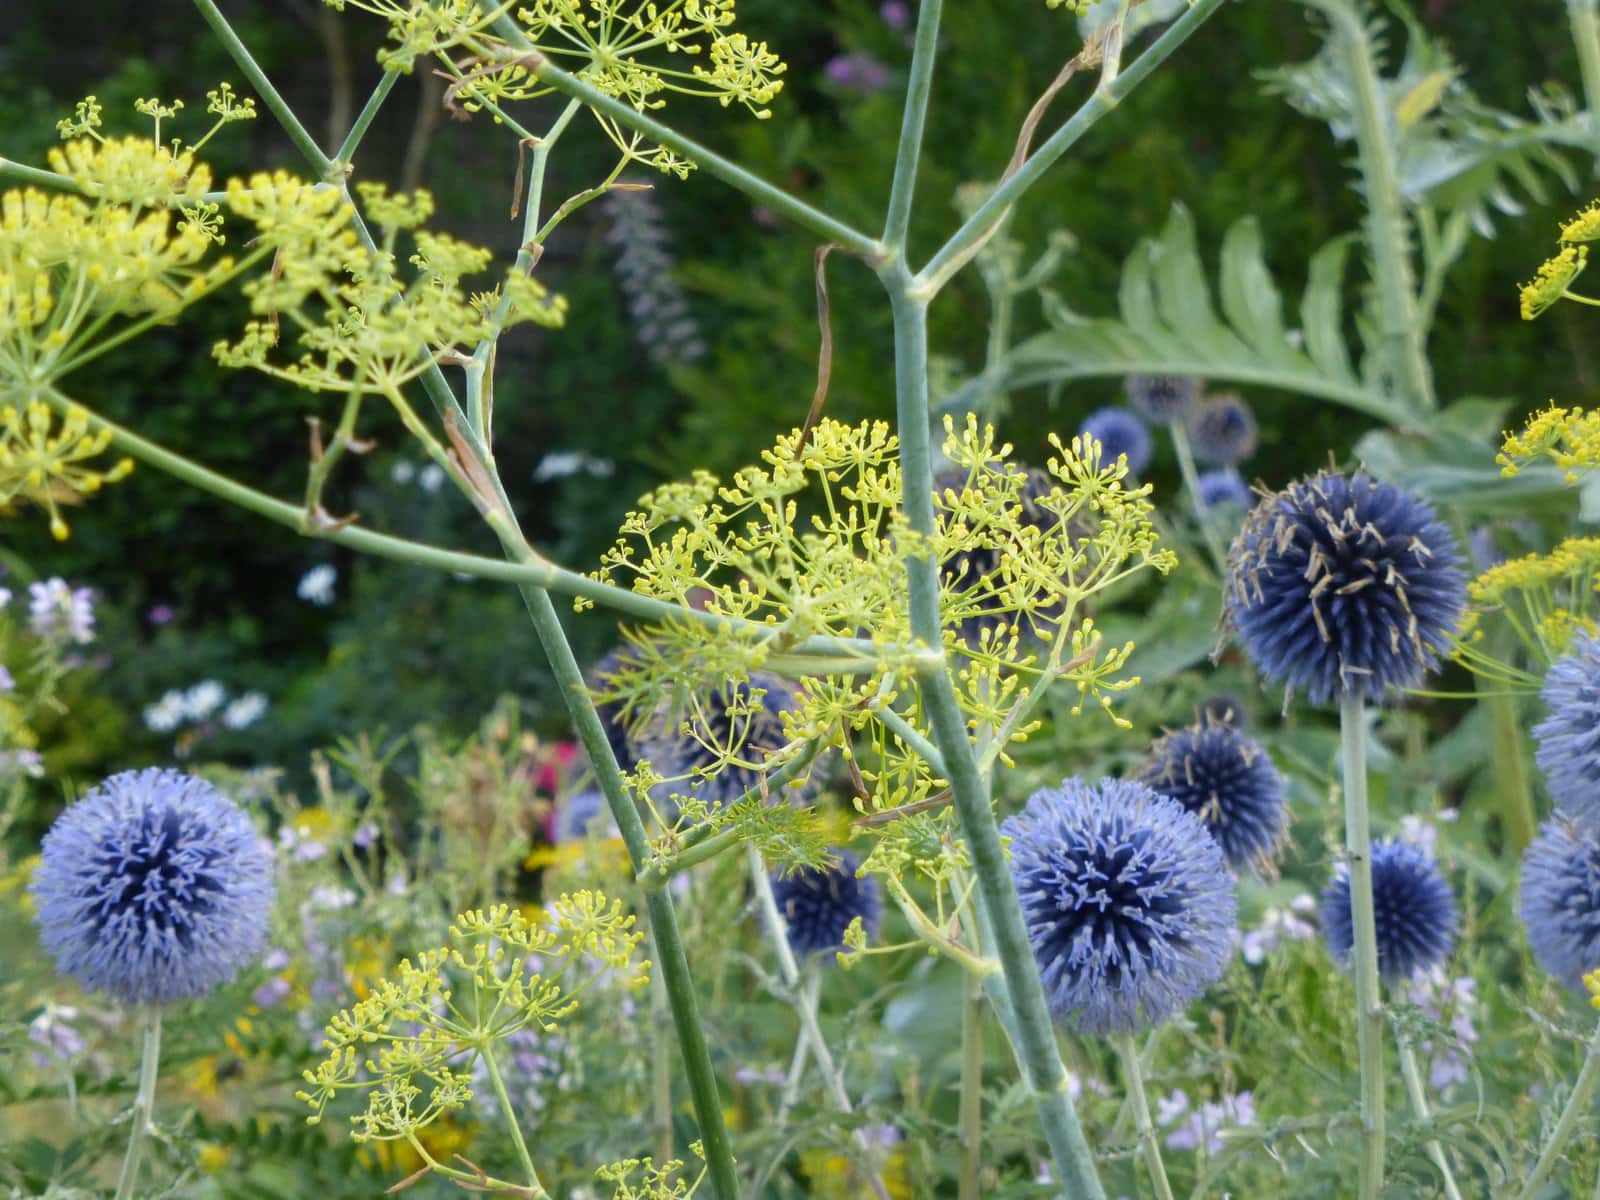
[
  {"x": 818, "y": 905},
  {"x": 1221, "y": 489},
  {"x": 1413, "y": 911},
  {"x": 1560, "y": 897},
  {"x": 1162, "y": 399},
  {"x": 578, "y": 813},
  {"x": 153, "y": 887},
  {"x": 1223, "y": 431},
  {"x": 744, "y": 716},
  {"x": 1120, "y": 432},
  {"x": 1569, "y": 738},
  {"x": 1128, "y": 901},
  {"x": 612, "y": 717},
  {"x": 1225, "y": 779},
  {"x": 1344, "y": 585}
]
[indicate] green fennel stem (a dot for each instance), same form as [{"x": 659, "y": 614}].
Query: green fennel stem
[{"x": 499, "y": 1083}]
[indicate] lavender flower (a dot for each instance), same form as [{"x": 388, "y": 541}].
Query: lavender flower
[
  {"x": 1344, "y": 586},
  {"x": 1569, "y": 738},
  {"x": 56, "y": 1036},
  {"x": 153, "y": 887},
  {"x": 1279, "y": 925},
  {"x": 1413, "y": 911},
  {"x": 663, "y": 322},
  {"x": 1206, "y": 1124},
  {"x": 7, "y": 683},
  {"x": 818, "y": 905},
  {"x": 1162, "y": 399},
  {"x": 1128, "y": 900},
  {"x": 1120, "y": 432},
  {"x": 60, "y": 613},
  {"x": 1559, "y": 899},
  {"x": 1223, "y": 431},
  {"x": 1226, "y": 780},
  {"x": 1453, "y": 1002},
  {"x": 857, "y": 72}
]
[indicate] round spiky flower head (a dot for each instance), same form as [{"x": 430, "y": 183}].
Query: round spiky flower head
[
  {"x": 1341, "y": 584},
  {"x": 610, "y": 712},
  {"x": 1226, "y": 780},
  {"x": 1560, "y": 897},
  {"x": 818, "y": 905},
  {"x": 1162, "y": 399},
  {"x": 1119, "y": 432},
  {"x": 1129, "y": 903},
  {"x": 1569, "y": 738},
  {"x": 714, "y": 747},
  {"x": 1222, "y": 489},
  {"x": 1413, "y": 911},
  {"x": 1223, "y": 430},
  {"x": 153, "y": 887}
]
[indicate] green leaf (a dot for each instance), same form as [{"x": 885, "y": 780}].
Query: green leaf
[
  {"x": 1452, "y": 469},
  {"x": 1168, "y": 325}
]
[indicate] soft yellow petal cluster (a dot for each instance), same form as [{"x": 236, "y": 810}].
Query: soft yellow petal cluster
[
  {"x": 48, "y": 462},
  {"x": 1568, "y": 437}
]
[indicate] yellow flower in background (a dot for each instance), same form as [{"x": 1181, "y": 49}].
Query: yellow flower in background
[{"x": 214, "y": 1158}]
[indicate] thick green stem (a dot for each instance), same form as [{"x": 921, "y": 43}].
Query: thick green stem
[
  {"x": 976, "y": 228},
  {"x": 1508, "y": 760},
  {"x": 912, "y": 124},
  {"x": 1419, "y": 1105},
  {"x": 364, "y": 119},
  {"x": 1403, "y": 336},
  {"x": 512, "y": 1123},
  {"x": 673, "y": 963},
  {"x": 1046, "y": 1077},
  {"x": 1369, "y": 1004},
  {"x": 1191, "y": 484},
  {"x": 1133, "y": 1073},
  {"x": 971, "y": 1116},
  {"x": 144, "y": 1103},
  {"x": 661, "y": 1064},
  {"x": 1585, "y": 25},
  {"x": 1582, "y": 1090}
]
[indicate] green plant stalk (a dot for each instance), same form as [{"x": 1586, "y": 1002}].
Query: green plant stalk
[
  {"x": 955, "y": 252},
  {"x": 1133, "y": 1070},
  {"x": 1419, "y": 1105},
  {"x": 971, "y": 1110},
  {"x": 144, "y": 1103},
  {"x": 347, "y": 149},
  {"x": 912, "y": 124},
  {"x": 661, "y": 1063},
  {"x": 1369, "y": 1003},
  {"x": 674, "y": 963},
  {"x": 1585, "y": 25},
  {"x": 1044, "y": 1073},
  {"x": 1518, "y": 823},
  {"x": 1403, "y": 335},
  {"x": 1191, "y": 484},
  {"x": 1582, "y": 1091},
  {"x": 535, "y": 1188}
]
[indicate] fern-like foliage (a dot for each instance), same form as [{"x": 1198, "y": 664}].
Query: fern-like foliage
[{"x": 1168, "y": 324}]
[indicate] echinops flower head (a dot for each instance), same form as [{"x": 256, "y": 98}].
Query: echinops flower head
[
  {"x": 819, "y": 904},
  {"x": 1119, "y": 432},
  {"x": 1222, "y": 489},
  {"x": 1162, "y": 399},
  {"x": 1344, "y": 585},
  {"x": 1559, "y": 899},
  {"x": 1128, "y": 901},
  {"x": 1413, "y": 911},
  {"x": 1568, "y": 740},
  {"x": 1225, "y": 779},
  {"x": 1223, "y": 431},
  {"x": 153, "y": 888}
]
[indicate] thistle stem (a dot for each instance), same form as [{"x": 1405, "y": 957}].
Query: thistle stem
[
  {"x": 1582, "y": 1090},
  {"x": 144, "y": 1104},
  {"x": 1369, "y": 1004},
  {"x": 1148, "y": 1145},
  {"x": 1419, "y": 1105},
  {"x": 487, "y": 1054},
  {"x": 1191, "y": 484}
]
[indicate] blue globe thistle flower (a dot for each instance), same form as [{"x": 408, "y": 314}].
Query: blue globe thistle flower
[
  {"x": 1220, "y": 489},
  {"x": 1128, "y": 901},
  {"x": 1226, "y": 780},
  {"x": 610, "y": 711},
  {"x": 1223, "y": 431},
  {"x": 1559, "y": 898},
  {"x": 1569, "y": 738},
  {"x": 577, "y": 814},
  {"x": 818, "y": 905},
  {"x": 1162, "y": 399},
  {"x": 1224, "y": 708},
  {"x": 1119, "y": 432},
  {"x": 1343, "y": 584},
  {"x": 744, "y": 716},
  {"x": 153, "y": 887},
  {"x": 1413, "y": 911}
]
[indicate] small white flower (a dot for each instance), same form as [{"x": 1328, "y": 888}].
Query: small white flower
[
  {"x": 562, "y": 463},
  {"x": 21, "y": 762},
  {"x": 7, "y": 683},
  {"x": 316, "y": 585},
  {"x": 5, "y": 598},
  {"x": 403, "y": 471},
  {"x": 245, "y": 711},
  {"x": 166, "y": 714},
  {"x": 200, "y": 701},
  {"x": 431, "y": 478},
  {"x": 61, "y": 612},
  {"x": 329, "y": 897}
]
